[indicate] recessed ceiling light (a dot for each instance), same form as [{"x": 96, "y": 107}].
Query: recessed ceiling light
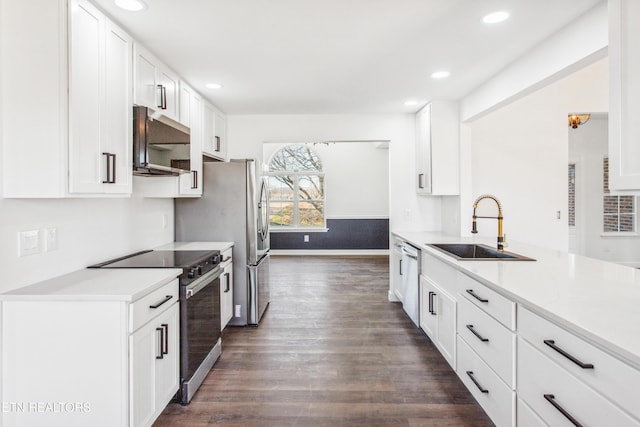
[
  {"x": 213, "y": 86},
  {"x": 131, "y": 5},
  {"x": 440, "y": 74},
  {"x": 411, "y": 103},
  {"x": 495, "y": 17}
]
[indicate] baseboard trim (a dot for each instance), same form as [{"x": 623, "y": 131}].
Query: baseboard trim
[{"x": 330, "y": 252}]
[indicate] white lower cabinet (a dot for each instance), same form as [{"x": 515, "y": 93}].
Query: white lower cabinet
[
  {"x": 154, "y": 350},
  {"x": 226, "y": 288},
  {"x": 395, "y": 263},
  {"x": 495, "y": 397},
  {"x": 559, "y": 398},
  {"x": 526, "y": 417},
  {"x": 438, "y": 318}
]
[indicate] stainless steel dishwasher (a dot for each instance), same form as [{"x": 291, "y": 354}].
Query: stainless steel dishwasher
[{"x": 410, "y": 282}]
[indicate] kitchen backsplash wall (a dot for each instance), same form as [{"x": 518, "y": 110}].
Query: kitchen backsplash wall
[{"x": 88, "y": 231}]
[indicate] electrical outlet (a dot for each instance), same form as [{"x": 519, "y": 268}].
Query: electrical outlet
[
  {"x": 28, "y": 242},
  {"x": 50, "y": 239},
  {"x": 306, "y": 238},
  {"x": 238, "y": 310}
]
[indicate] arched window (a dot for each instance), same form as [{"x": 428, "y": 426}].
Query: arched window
[{"x": 296, "y": 188}]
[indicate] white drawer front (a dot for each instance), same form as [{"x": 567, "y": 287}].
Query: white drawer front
[
  {"x": 498, "y": 307},
  {"x": 610, "y": 376},
  {"x": 498, "y": 401},
  {"x": 526, "y": 416},
  {"x": 490, "y": 339},
  {"x": 150, "y": 306},
  {"x": 439, "y": 272},
  {"x": 543, "y": 383}
]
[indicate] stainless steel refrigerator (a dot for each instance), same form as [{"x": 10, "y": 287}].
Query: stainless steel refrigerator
[{"x": 233, "y": 208}]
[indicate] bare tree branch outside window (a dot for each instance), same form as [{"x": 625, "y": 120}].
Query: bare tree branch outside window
[{"x": 296, "y": 187}]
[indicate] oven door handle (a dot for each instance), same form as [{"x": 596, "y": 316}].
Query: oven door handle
[{"x": 202, "y": 282}]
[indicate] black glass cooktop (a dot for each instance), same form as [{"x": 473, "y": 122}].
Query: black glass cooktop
[{"x": 160, "y": 259}]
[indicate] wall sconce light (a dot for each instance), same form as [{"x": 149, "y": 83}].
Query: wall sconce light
[{"x": 576, "y": 120}]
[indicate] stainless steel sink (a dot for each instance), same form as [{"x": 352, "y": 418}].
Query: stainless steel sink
[{"x": 474, "y": 252}]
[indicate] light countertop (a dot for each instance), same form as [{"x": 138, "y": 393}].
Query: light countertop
[
  {"x": 196, "y": 246},
  {"x": 101, "y": 284},
  {"x": 597, "y": 300}
]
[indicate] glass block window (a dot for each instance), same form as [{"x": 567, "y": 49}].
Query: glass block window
[{"x": 619, "y": 212}]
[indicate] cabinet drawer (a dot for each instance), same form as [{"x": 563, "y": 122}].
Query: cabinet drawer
[
  {"x": 226, "y": 257},
  {"x": 439, "y": 272},
  {"x": 492, "y": 341},
  {"x": 610, "y": 376},
  {"x": 498, "y": 307},
  {"x": 526, "y": 416},
  {"x": 153, "y": 304},
  {"x": 549, "y": 389},
  {"x": 498, "y": 401}
]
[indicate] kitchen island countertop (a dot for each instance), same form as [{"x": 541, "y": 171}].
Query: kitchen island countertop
[{"x": 597, "y": 300}]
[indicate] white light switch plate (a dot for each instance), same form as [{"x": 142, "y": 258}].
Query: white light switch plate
[
  {"x": 28, "y": 242},
  {"x": 50, "y": 239}
]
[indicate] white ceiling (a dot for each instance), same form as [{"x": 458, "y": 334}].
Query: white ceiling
[{"x": 339, "y": 56}]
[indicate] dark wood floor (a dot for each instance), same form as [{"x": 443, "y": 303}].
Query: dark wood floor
[{"x": 331, "y": 350}]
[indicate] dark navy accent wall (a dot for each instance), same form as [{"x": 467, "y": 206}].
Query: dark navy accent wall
[{"x": 342, "y": 234}]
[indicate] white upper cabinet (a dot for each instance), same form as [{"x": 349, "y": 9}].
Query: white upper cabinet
[
  {"x": 214, "y": 141},
  {"x": 437, "y": 149},
  {"x": 155, "y": 85},
  {"x": 624, "y": 95},
  {"x": 191, "y": 115},
  {"x": 99, "y": 103},
  {"x": 76, "y": 140}
]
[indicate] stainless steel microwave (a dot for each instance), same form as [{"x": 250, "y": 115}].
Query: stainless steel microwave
[{"x": 161, "y": 146}]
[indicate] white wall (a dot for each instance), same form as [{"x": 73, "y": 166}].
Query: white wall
[
  {"x": 519, "y": 153},
  {"x": 246, "y": 134},
  {"x": 356, "y": 178},
  {"x": 89, "y": 231},
  {"x": 588, "y": 146}
]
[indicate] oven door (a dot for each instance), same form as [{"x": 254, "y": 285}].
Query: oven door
[{"x": 199, "y": 331}]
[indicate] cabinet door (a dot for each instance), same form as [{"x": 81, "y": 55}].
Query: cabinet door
[
  {"x": 226, "y": 295},
  {"x": 208, "y": 137},
  {"x": 167, "y": 375},
  {"x": 86, "y": 98},
  {"x": 169, "y": 94},
  {"x": 145, "y": 84},
  {"x": 396, "y": 271},
  {"x": 446, "y": 308},
  {"x": 423, "y": 150},
  {"x": 624, "y": 95},
  {"x": 428, "y": 314},
  {"x": 220, "y": 136},
  {"x": 191, "y": 184},
  {"x": 154, "y": 367},
  {"x": 117, "y": 121}
]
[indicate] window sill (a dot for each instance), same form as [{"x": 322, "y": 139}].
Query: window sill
[
  {"x": 622, "y": 234},
  {"x": 298, "y": 230}
]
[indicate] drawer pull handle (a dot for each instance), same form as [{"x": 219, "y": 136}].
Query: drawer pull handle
[
  {"x": 470, "y": 292},
  {"x": 550, "y": 398},
  {"x": 160, "y": 354},
  {"x": 165, "y": 346},
  {"x": 480, "y": 337},
  {"x": 167, "y": 298},
  {"x": 552, "y": 344},
  {"x": 228, "y": 277},
  {"x": 431, "y": 309},
  {"x": 482, "y": 390}
]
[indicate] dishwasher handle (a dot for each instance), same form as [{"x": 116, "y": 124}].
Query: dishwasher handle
[{"x": 411, "y": 253}]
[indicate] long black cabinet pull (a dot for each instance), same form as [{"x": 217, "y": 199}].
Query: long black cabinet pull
[
  {"x": 431, "y": 309},
  {"x": 194, "y": 180},
  {"x": 217, "y": 143},
  {"x": 550, "y": 398},
  {"x": 165, "y": 346},
  {"x": 420, "y": 180},
  {"x": 480, "y": 337},
  {"x": 482, "y": 390},
  {"x": 400, "y": 267},
  {"x": 167, "y": 298},
  {"x": 111, "y": 168},
  {"x": 470, "y": 292},
  {"x": 228, "y": 276},
  {"x": 552, "y": 344},
  {"x": 160, "y": 344},
  {"x": 160, "y": 105}
]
